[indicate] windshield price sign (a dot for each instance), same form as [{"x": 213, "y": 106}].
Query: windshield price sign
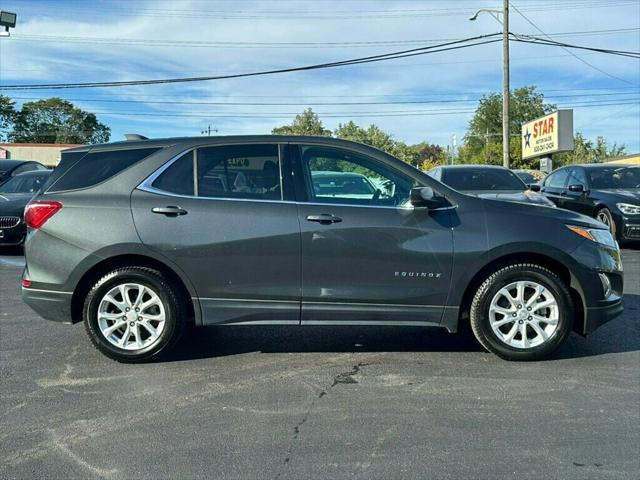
[{"x": 548, "y": 134}]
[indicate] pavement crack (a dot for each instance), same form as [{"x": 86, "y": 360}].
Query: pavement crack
[{"x": 347, "y": 377}]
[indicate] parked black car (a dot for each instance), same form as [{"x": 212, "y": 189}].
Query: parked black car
[
  {"x": 15, "y": 193},
  {"x": 609, "y": 193},
  {"x": 488, "y": 181},
  {"x": 140, "y": 238},
  {"x": 10, "y": 168}
]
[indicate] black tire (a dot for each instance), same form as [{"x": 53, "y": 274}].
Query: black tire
[
  {"x": 604, "y": 215},
  {"x": 479, "y": 312},
  {"x": 174, "y": 309}
]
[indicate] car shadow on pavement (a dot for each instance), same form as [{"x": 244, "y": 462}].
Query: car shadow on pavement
[
  {"x": 233, "y": 340},
  {"x": 618, "y": 336}
]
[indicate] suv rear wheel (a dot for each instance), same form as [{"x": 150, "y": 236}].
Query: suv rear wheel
[
  {"x": 521, "y": 312},
  {"x": 134, "y": 314}
]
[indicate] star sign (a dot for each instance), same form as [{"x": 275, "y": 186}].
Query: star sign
[{"x": 527, "y": 139}]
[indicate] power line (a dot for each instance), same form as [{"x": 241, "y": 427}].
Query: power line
[
  {"x": 311, "y": 103},
  {"x": 566, "y": 48},
  {"x": 448, "y": 46},
  {"x": 230, "y": 44}
]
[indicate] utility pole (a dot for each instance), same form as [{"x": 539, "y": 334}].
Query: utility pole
[
  {"x": 505, "y": 72},
  {"x": 505, "y": 84},
  {"x": 208, "y": 130}
]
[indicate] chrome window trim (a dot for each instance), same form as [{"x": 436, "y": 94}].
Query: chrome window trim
[{"x": 146, "y": 186}]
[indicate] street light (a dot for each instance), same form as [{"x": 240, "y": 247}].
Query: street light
[
  {"x": 505, "y": 72},
  {"x": 7, "y": 20}
]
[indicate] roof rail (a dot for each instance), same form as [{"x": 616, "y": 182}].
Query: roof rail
[{"x": 134, "y": 136}]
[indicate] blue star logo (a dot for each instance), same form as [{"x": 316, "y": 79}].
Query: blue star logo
[{"x": 527, "y": 139}]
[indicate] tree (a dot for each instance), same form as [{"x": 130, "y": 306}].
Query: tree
[
  {"x": 586, "y": 151},
  {"x": 55, "y": 120},
  {"x": 7, "y": 115},
  {"x": 307, "y": 123},
  {"x": 483, "y": 141}
]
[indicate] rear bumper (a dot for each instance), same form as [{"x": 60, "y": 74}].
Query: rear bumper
[
  {"x": 595, "y": 317},
  {"x": 49, "y": 304}
]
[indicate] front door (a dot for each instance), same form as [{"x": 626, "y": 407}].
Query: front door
[
  {"x": 554, "y": 187},
  {"x": 219, "y": 213},
  {"x": 367, "y": 255},
  {"x": 578, "y": 201}
]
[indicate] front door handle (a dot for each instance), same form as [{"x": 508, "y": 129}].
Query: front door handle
[
  {"x": 324, "y": 218},
  {"x": 170, "y": 211}
]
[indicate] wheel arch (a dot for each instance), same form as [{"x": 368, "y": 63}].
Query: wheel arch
[
  {"x": 93, "y": 274},
  {"x": 553, "y": 264}
]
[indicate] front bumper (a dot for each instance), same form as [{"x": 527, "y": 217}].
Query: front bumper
[
  {"x": 13, "y": 235},
  {"x": 49, "y": 304},
  {"x": 595, "y": 317},
  {"x": 630, "y": 230}
]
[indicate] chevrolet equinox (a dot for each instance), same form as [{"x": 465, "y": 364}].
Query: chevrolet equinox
[{"x": 143, "y": 238}]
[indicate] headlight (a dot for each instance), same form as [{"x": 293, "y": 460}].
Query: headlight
[
  {"x": 595, "y": 235},
  {"x": 628, "y": 208}
]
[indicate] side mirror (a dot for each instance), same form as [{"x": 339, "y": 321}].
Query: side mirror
[
  {"x": 576, "y": 188},
  {"x": 534, "y": 187},
  {"x": 423, "y": 197}
]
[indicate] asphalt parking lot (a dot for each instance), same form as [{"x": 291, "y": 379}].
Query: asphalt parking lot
[{"x": 294, "y": 403}]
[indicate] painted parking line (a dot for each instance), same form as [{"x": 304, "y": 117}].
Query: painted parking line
[{"x": 17, "y": 262}]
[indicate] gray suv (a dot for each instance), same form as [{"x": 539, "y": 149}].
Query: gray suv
[{"x": 141, "y": 239}]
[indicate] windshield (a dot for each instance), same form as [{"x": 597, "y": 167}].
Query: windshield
[
  {"x": 24, "y": 183},
  {"x": 526, "y": 177},
  {"x": 482, "y": 179},
  {"x": 615, "y": 177}
]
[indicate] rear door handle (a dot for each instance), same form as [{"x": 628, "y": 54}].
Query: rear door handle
[
  {"x": 324, "y": 218},
  {"x": 170, "y": 211}
]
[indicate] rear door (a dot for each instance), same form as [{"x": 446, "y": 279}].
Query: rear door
[
  {"x": 555, "y": 186},
  {"x": 367, "y": 256},
  {"x": 222, "y": 215}
]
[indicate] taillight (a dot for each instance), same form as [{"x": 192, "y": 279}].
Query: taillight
[{"x": 38, "y": 212}]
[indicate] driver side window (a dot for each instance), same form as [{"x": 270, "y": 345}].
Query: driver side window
[{"x": 340, "y": 176}]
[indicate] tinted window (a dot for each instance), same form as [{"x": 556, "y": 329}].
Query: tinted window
[
  {"x": 526, "y": 177},
  {"x": 557, "y": 179},
  {"x": 482, "y": 179},
  {"x": 178, "y": 178},
  {"x": 97, "y": 167},
  {"x": 239, "y": 171},
  {"x": 577, "y": 177},
  {"x": 67, "y": 160},
  {"x": 615, "y": 177},
  {"x": 24, "y": 183},
  {"x": 341, "y": 176},
  {"x": 27, "y": 167}
]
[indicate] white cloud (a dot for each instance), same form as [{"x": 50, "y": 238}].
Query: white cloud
[{"x": 470, "y": 70}]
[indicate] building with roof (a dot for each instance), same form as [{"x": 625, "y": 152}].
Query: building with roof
[{"x": 46, "y": 153}]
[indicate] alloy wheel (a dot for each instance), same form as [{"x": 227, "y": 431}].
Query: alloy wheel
[
  {"x": 524, "y": 314},
  {"x": 131, "y": 316}
]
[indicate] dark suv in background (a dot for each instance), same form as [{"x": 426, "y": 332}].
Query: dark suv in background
[
  {"x": 609, "y": 193},
  {"x": 139, "y": 239}
]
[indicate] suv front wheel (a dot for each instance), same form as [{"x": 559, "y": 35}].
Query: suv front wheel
[
  {"x": 134, "y": 314},
  {"x": 522, "y": 312}
]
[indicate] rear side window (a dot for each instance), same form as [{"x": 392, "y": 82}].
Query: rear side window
[
  {"x": 239, "y": 171},
  {"x": 97, "y": 167},
  {"x": 178, "y": 178}
]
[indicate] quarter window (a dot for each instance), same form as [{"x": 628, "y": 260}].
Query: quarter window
[
  {"x": 239, "y": 171},
  {"x": 557, "y": 179},
  {"x": 178, "y": 178},
  {"x": 340, "y": 176}
]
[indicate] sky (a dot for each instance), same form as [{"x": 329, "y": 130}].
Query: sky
[{"x": 422, "y": 98}]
